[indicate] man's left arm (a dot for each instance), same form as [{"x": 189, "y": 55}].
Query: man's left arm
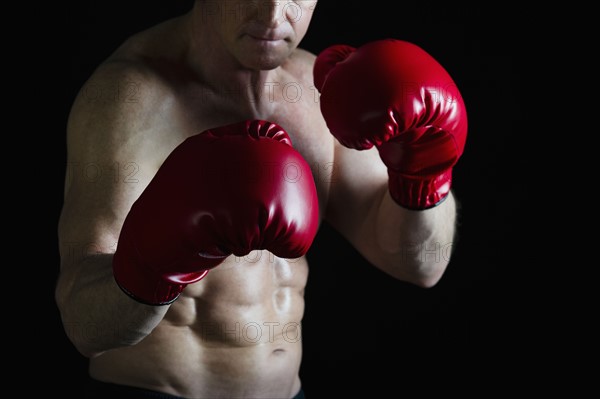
[{"x": 401, "y": 126}]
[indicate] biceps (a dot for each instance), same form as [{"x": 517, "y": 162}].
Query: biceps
[{"x": 92, "y": 214}]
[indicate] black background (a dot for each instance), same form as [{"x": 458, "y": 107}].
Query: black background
[{"x": 363, "y": 331}]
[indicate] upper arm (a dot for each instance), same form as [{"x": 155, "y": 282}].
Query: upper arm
[{"x": 106, "y": 173}]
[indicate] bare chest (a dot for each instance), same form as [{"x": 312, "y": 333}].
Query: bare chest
[{"x": 291, "y": 105}]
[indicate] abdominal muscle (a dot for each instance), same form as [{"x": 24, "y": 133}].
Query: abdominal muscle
[{"x": 234, "y": 334}]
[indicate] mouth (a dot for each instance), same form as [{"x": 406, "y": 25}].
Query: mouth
[
  {"x": 263, "y": 34},
  {"x": 266, "y": 38}
]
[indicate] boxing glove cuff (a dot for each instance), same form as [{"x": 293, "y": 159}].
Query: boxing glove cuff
[
  {"x": 418, "y": 193},
  {"x": 147, "y": 286}
]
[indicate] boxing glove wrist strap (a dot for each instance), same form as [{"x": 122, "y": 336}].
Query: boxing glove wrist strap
[
  {"x": 147, "y": 286},
  {"x": 419, "y": 193},
  {"x": 160, "y": 293}
]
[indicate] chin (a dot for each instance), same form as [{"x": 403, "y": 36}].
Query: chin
[
  {"x": 264, "y": 63},
  {"x": 270, "y": 63}
]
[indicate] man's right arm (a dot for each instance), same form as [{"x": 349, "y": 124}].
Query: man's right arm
[{"x": 107, "y": 170}]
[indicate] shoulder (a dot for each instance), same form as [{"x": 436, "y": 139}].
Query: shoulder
[
  {"x": 129, "y": 81},
  {"x": 116, "y": 98},
  {"x": 117, "y": 84},
  {"x": 300, "y": 65},
  {"x": 128, "y": 78},
  {"x": 120, "y": 92}
]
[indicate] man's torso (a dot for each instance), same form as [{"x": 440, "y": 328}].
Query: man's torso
[{"x": 239, "y": 329}]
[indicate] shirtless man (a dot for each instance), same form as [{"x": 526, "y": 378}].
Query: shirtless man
[{"x": 234, "y": 332}]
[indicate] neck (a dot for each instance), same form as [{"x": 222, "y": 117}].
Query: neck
[{"x": 221, "y": 72}]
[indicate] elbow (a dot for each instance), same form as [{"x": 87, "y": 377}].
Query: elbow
[
  {"x": 80, "y": 333},
  {"x": 81, "y": 338},
  {"x": 427, "y": 281},
  {"x": 415, "y": 272},
  {"x": 427, "y": 276},
  {"x": 85, "y": 350}
]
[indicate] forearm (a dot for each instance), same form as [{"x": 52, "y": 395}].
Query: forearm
[
  {"x": 97, "y": 315},
  {"x": 414, "y": 246}
]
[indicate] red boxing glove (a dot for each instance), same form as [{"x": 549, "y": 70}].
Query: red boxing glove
[
  {"x": 228, "y": 190},
  {"x": 393, "y": 95}
]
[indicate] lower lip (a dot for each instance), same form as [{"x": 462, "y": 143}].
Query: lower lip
[{"x": 265, "y": 41}]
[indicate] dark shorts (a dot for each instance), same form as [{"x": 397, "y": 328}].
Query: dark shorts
[{"x": 101, "y": 390}]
